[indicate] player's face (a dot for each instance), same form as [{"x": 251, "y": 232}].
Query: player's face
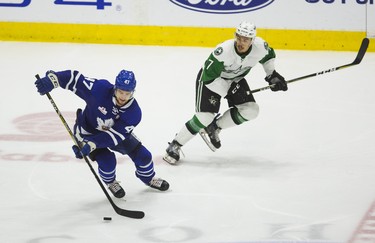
[
  {"x": 243, "y": 43},
  {"x": 122, "y": 96}
]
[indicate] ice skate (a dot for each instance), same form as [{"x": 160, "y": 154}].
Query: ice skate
[
  {"x": 160, "y": 184},
  {"x": 116, "y": 189},
  {"x": 210, "y": 135},
  {"x": 173, "y": 153}
]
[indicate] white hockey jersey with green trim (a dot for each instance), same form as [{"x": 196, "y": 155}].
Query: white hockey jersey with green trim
[{"x": 224, "y": 62}]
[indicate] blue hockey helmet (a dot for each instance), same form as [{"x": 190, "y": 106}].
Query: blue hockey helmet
[{"x": 125, "y": 80}]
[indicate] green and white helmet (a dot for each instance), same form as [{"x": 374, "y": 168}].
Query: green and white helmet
[{"x": 247, "y": 29}]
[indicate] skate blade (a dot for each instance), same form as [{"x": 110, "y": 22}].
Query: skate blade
[
  {"x": 206, "y": 139},
  {"x": 169, "y": 159}
]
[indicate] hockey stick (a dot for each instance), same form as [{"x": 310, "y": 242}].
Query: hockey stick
[
  {"x": 361, "y": 52},
  {"x": 120, "y": 211}
]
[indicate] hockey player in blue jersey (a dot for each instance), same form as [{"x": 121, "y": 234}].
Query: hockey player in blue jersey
[{"x": 106, "y": 124}]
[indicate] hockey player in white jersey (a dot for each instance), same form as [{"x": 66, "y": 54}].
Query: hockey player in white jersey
[{"x": 223, "y": 76}]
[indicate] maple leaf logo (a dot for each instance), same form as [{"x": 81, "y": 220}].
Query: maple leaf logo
[{"x": 104, "y": 125}]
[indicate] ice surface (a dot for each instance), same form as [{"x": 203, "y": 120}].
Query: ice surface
[{"x": 303, "y": 171}]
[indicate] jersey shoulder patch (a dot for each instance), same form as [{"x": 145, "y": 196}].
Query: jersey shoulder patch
[
  {"x": 218, "y": 51},
  {"x": 224, "y": 50},
  {"x": 266, "y": 46},
  {"x": 261, "y": 45}
]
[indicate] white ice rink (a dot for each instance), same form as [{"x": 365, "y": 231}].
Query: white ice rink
[{"x": 303, "y": 171}]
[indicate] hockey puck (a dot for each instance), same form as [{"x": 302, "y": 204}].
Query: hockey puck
[{"x": 107, "y": 218}]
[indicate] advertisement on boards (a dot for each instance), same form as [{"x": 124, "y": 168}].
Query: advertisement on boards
[{"x": 347, "y": 15}]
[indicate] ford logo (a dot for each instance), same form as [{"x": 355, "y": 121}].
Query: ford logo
[{"x": 222, "y": 6}]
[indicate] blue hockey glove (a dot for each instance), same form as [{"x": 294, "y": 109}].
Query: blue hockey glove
[
  {"x": 87, "y": 147},
  {"x": 77, "y": 152},
  {"x": 48, "y": 83},
  {"x": 277, "y": 81}
]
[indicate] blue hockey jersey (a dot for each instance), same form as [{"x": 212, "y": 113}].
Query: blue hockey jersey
[{"x": 102, "y": 121}]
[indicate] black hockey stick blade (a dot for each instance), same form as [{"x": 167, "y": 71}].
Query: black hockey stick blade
[
  {"x": 361, "y": 53},
  {"x": 129, "y": 213}
]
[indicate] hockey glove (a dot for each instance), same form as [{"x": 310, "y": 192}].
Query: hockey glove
[
  {"x": 77, "y": 152},
  {"x": 48, "y": 83},
  {"x": 87, "y": 147},
  {"x": 277, "y": 81}
]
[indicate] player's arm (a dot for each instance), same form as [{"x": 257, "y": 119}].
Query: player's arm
[
  {"x": 69, "y": 79},
  {"x": 268, "y": 61},
  {"x": 104, "y": 139},
  {"x": 276, "y": 80},
  {"x": 111, "y": 137},
  {"x": 212, "y": 69}
]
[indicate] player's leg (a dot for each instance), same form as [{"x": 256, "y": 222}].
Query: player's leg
[
  {"x": 144, "y": 164},
  {"x": 142, "y": 159},
  {"x": 207, "y": 104},
  {"x": 243, "y": 106},
  {"x": 107, "y": 170}
]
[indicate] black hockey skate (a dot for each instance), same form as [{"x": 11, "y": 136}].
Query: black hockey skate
[
  {"x": 210, "y": 135},
  {"x": 173, "y": 153},
  {"x": 116, "y": 189},
  {"x": 160, "y": 184}
]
